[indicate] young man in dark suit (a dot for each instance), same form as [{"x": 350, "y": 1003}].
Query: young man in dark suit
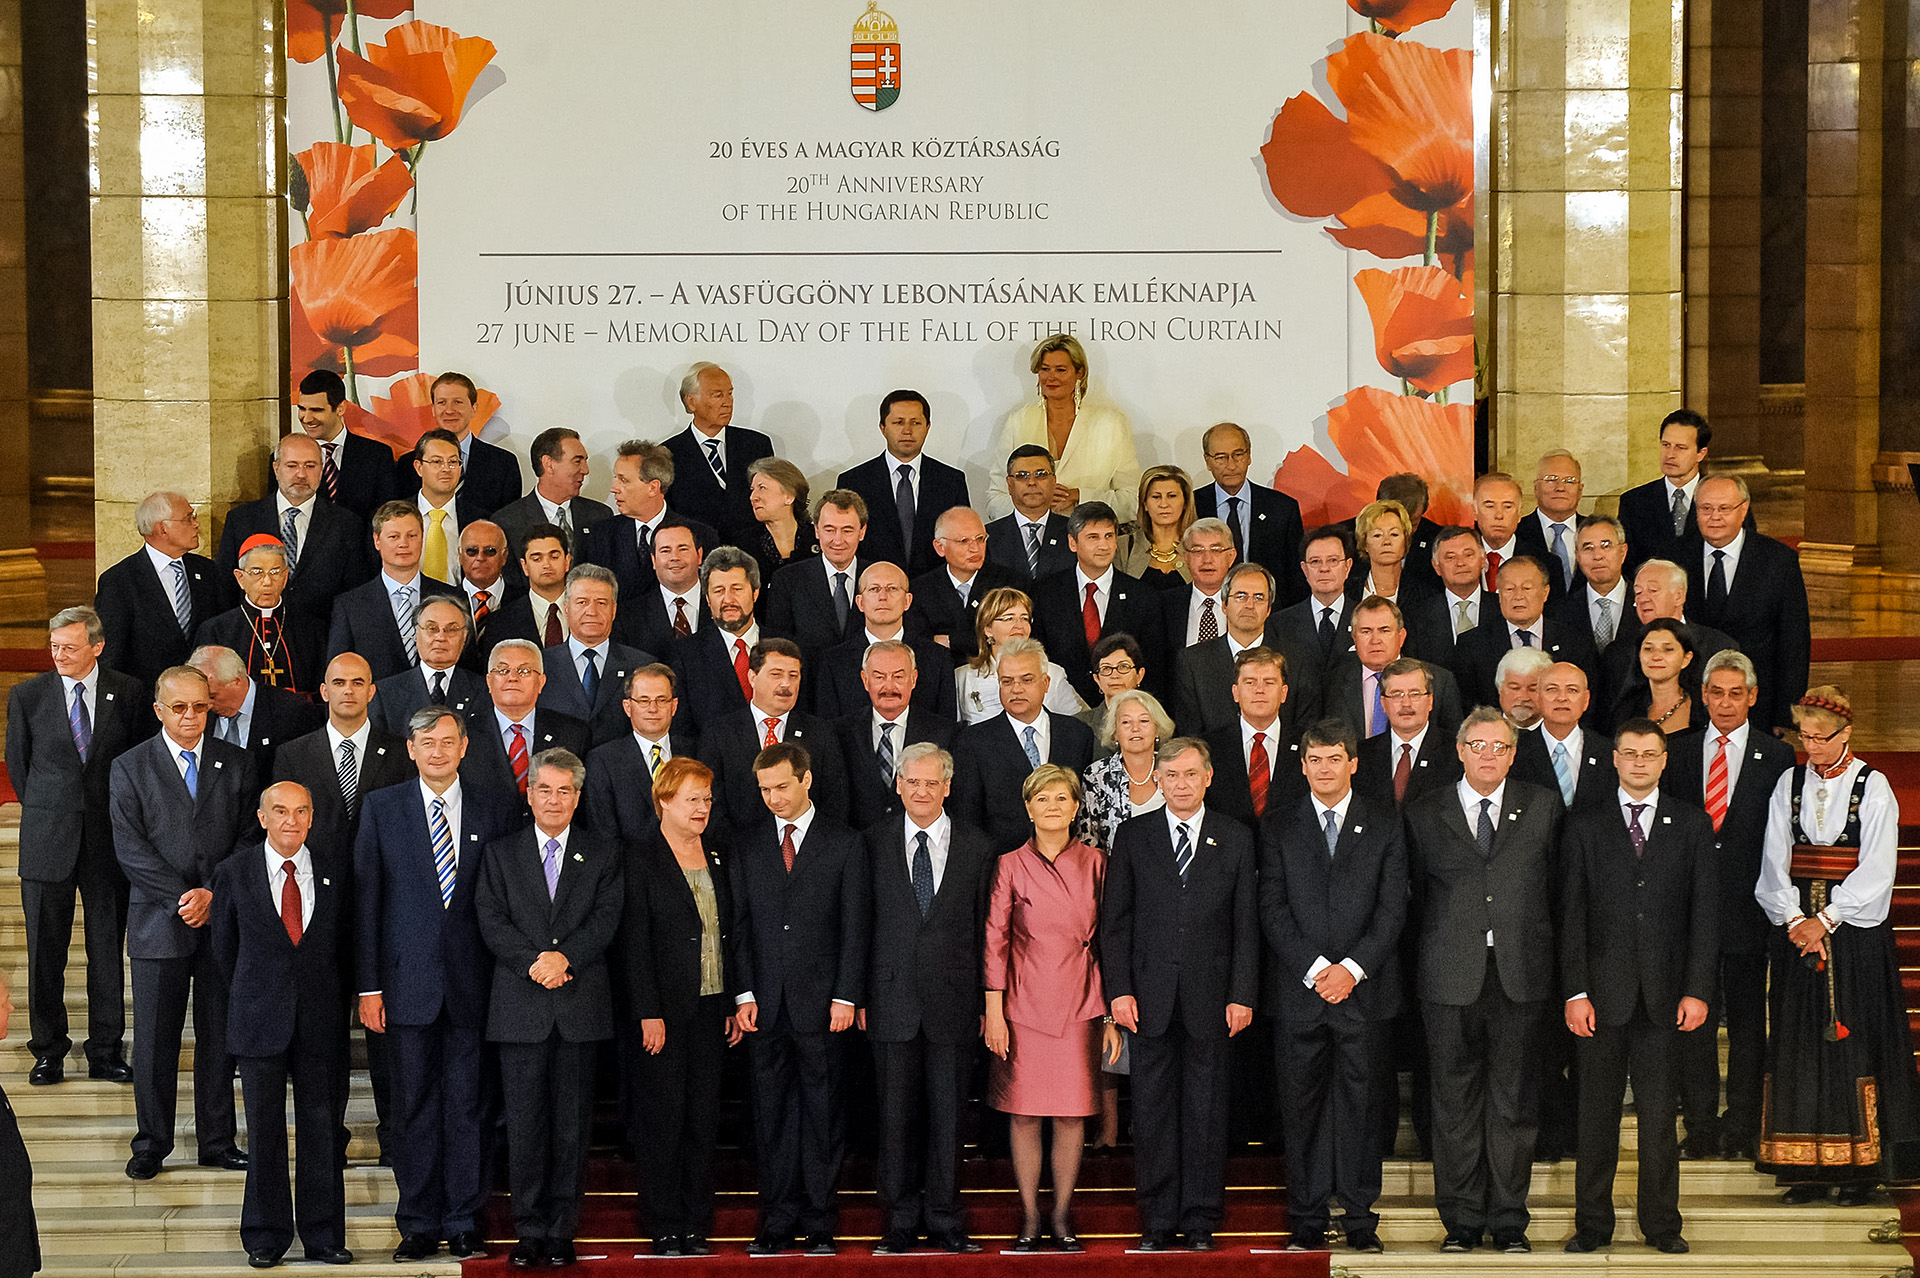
[
  {"x": 489, "y": 474},
  {"x": 811, "y": 602},
  {"x": 801, "y": 922},
  {"x": 1079, "y": 606},
  {"x": 280, "y": 928},
  {"x": 905, "y": 490},
  {"x": 355, "y": 472},
  {"x": 730, "y": 743},
  {"x": 1639, "y": 911},
  {"x": 946, "y": 598},
  {"x": 874, "y": 738},
  {"x": 560, "y": 468},
  {"x": 1320, "y": 626},
  {"x": 507, "y": 730},
  {"x": 152, "y": 602},
  {"x": 65, "y": 728},
  {"x": 1180, "y": 962},
  {"x": 656, "y": 615},
  {"x": 534, "y": 613},
  {"x": 712, "y": 662},
  {"x": 1658, "y": 515},
  {"x": 1265, "y": 523},
  {"x": 1030, "y": 543},
  {"x": 1750, "y": 586},
  {"x": 423, "y": 977},
  {"x": 931, "y": 879},
  {"x": 1256, "y": 765},
  {"x": 376, "y": 619},
  {"x": 996, "y": 755},
  {"x": 883, "y": 602},
  {"x": 624, "y": 541},
  {"x": 180, "y": 804},
  {"x": 587, "y": 675},
  {"x": 1333, "y": 901},
  {"x": 548, "y": 903},
  {"x": 326, "y": 544},
  {"x": 1522, "y": 622},
  {"x": 282, "y": 646},
  {"x": 441, "y": 633},
  {"x": 619, "y": 795},
  {"x": 711, "y": 456}
]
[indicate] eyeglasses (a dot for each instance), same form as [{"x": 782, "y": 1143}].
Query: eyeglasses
[
  {"x": 1641, "y": 756},
  {"x": 1604, "y": 544},
  {"x": 270, "y": 574},
  {"x": 480, "y": 552},
  {"x": 651, "y": 703},
  {"x": 1323, "y": 562},
  {"x": 1247, "y": 596},
  {"x": 1115, "y": 669},
  {"x": 1404, "y": 696},
  {"x": 441, "y": 463},
  {"x": 1027, "y": 476},
  {"x": 514, "y": 672},
  {"x": 436, "y": 628},
  {"x": 1814, "y": 738},
  {"x": 1559, "y": 479},
  {"x": 1496, "y": 748},
  {"x": 888, "y": 589},
  {"x": 1237, "y": 455},
  {"x": 183, "y": 708}
]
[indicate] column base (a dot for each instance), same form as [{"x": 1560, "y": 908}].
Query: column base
[{"x": 23, "y": 586}]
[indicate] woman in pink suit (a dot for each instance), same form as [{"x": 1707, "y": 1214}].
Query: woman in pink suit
[{"x": 1043, "y": 975}]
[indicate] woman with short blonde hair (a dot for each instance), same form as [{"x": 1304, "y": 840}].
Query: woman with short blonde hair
[{"x": 1092, "y": 444}]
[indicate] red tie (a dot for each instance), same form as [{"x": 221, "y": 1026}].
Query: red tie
[
  {"x": 553, "y": 635},
  {"x": 290, "y": 902},
  {"x": 1259, "y": 773},
  {"x": 680, "y": 626},
  {"x": 771, "y": 738},
  {"x": 1717, "y": 784},
  {"x": 1493, "y": 570},
  {"x": 1403, "y": 772},
  {"x": 330, "y": 474},
  {"x": 1090, "y": 617},
  {"x": 480, "y": 608},
  {"x": 786, "y": 848},
  {"x": 517, "y": 756},
  {"x": 740, "y": 668}
]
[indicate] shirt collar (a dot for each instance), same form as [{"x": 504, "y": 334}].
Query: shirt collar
[
  {"x": 691, "y": 594},
  {"x": 505, "y": 723},
  {"x": 359, "y": 738},
  {"x": 90, "y": 681},
  {"x": 1736, "y": 739},
  {"x": 1732, "y": 548},
  {"x": 163, "y": 565},
  {"x": 1617, "y": 596},
  {"x": 1245, "y": 494},
  {"x": 760, "y": 718},
  {"x": 1247, "y": 730},
  {"x": 936, "y": 833},
  {"x": 1104, "y": 581},
  {"x": 1505, "y": 552},
  {"x": 899, "y": 722},
  {"x": 1192, "y": 823},
  {"x": 1471, "y": 798},
  {"x": 281, "y": 504},
  {"x": 246, "y": 707},
  {"x": 1686, "y": 488},
  {"x": 579, "y": 649},
  {"x": 801, "y": 824},
  {"x": 391, "y": 584},
  {"x": 1417, "y": 740},
  {"x": 302, "y": 861},
  {"x": 174, "y": 747},
  {"x": 1339, "y": 809},
  {"x": 1651, "y": 802},
  {"x": 852, "y": 570},
  {"x": 894, "y": 464},
  {"x": 451, "y": 798},
  {"x": 540, "y": 838},
  {"x": 427, "y": 507}
]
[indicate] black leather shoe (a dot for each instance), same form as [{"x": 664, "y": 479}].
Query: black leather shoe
[
  {"x": 956, "y": 1243},
  {"x": 896, "y": 1242},
  {"x": 1156, "y": 1242},
  {"x": 1068, "y": 1241},
  {"x": 467, "y": 1245},
  {"x": 228, "y": 1159},
  {"x": 111, "y": 1069},
  {"x": 767, "y": 1245},
  {"x": 143, "y": 1167},
  {"x": 1581, "y": 1244},
  {"x": 1855, "y": 1195},
  {"x": 1801, "y": 1195},
  {"x": 1459, "y": 1240},
  {"x": 668, "y": 1245},
  {"x": 1513, "y": 1242},
  {"x": 560, "y": 1253},
  {"x": 526, "y": 1253},
  {"x": 1671, "y": 1244},
  {"x": 694, "y": 1245},
  {"x": 820, "y": 1245},
  {"x": 1025, "y": 1244},
  {"x": 46, "y": 1071},
  {"x": 416, "y": 1247},
  {"x": 1199, "y": 1240},
  {"x": 1307, "y": 1240},
  {"x": 330, "y": 1255},
  {"x": 263, "y": 1259},
  {"x": 1699, "y": 1145},
  {"x": 1365, "y": 1240}
]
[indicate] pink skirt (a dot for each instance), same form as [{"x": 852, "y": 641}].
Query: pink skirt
[{"x": 1048, "y": 1077}]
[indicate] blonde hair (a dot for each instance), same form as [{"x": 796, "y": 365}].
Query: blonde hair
[
  {"x": 997, "y": 601},
  {"x": 1049, "y": 774},
  {"x": 1162, "y": 722},
  {"x": 1824, "y": 702},
  {"x": 1160, "y": 474},
  {"x": 1068, "y": 345},
  {"x": 1373, "y": 512}
]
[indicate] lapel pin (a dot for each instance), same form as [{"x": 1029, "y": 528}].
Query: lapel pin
[
  {"x": 217, "y": 765},
  {"x": 1423, "y": 763},
  {"x": 326, "y": 882},
  {"x": 1211, "y": 843},
  {"x": 1359, "y": 829},
  {"x": 381, "y": 750},
  {"x": 110, "y": 697},
  {"x": 1513, "y": 816},
  {"x": 1666, "y": 820},
  {"x": 473, "y": 838},
  {"x": 1593, "y": 762},
  {"x": 1262, "y": 518},
  {"x": 579, "y": 858},
  {"x": 1122, "y": 595}
]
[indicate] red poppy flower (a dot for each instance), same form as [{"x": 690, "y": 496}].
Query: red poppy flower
[
  {"x": 396, "y": 350},
  {"x": 312, "y": 25},
  {"x": 1311, "y": 480},
  {"x": 412, "y": 88},
  {"x": 1378, "y": 433},
  {"x": 1422, "y": 324},
  {"x": 406, "y": 412},
  {"x": 359, "y": 289},
  {"x": 1400, "y": 16},
  {"x": 347, "y": 191}
]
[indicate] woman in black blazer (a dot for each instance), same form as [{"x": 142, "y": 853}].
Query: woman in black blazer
[{"x": 681, "y": 992}]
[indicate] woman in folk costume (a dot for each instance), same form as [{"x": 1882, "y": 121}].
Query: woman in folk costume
[{"x": 1842, "y": 1101}]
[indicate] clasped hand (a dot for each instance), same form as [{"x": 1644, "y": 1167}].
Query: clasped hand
[{"x": 550, "y": 970}]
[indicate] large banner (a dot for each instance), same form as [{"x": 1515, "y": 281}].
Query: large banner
[{"x": 1244, "y": 210}]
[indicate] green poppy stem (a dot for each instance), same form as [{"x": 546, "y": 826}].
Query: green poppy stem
[
  {"x": 413, "y": 166},
  {"x": 353, "y": 26},
  {"x": 333, "y": 93},
  {"x": 346, "y": 360},
  {"x": 1433, "y": 237}
]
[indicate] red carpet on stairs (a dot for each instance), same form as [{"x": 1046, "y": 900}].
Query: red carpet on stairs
[{"x": 1234, "y": 1259}]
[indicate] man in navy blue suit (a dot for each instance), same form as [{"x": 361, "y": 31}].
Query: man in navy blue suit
[
  {"x": 587, "y": 675},
  {"x": 905, "y": 490},
  {"x": 356, "y": 471},
  {"x": 423, "y": 977},
  {"x": 711, "y": 456},
  {"x": 489, "y": 475}
]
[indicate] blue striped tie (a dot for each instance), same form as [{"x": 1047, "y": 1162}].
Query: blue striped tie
[
  {"x": 1183, "y": 855},
  {"x": 182, "y": 599},
  {"x": 443, "y": 851}
]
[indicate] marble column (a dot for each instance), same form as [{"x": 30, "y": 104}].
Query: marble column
[
  {"x": 189, "y": 254},
  {"x": 23, "y": 582},
  {"x": 1587, "y": 300}
]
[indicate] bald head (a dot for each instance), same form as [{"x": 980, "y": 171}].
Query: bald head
[
  {"x": 347, "y": 690},
  {"x": 884, "y": 598},
  {"x": 296, "y": 468},
  {"x": 1563, "y": 698},
  {"x": 286, "y": 814}
]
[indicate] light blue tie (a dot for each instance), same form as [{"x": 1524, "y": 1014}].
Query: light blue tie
[
  {"x": 1379, "y": 708},
  {"x": 403, "y": 618},
  {"x": 193, "y": 774},
  {"x": 443, "y": 862},
  {"x": 713, "y": 460},
  {"x": 1563, "y": 772},
  {"x": 551, "y": 864},
  {"x": 182, "y": 599},
  {"x": 1561, "y": 552},
  {"x": 1183, "y": 854},
  {"x": 1033, "y": 749},
  {"x": 1333, "y": 830}
]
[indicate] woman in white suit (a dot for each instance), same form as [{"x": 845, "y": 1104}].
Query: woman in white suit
[{"x": 1092, "y": 444}]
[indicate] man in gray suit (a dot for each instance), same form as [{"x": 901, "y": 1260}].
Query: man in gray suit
[
  {"x": 180, "y": 803},
  {"x": 587, "y": 675}
]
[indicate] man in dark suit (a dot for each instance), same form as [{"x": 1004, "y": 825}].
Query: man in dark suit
[
  {"x": 619, "y": 793},
  {"x": 712, "y": 662},
  {"x": 548, "y": 903},
  {"x": 905, "y": 490},
  {"x": 1265, "y": 524},
  {"x": 326, "y": 544},
  {"x": 624, "y": 540},
  {"x": 489, "y": 475},
  {"x": 587, "y": 675},
  {"x": 1437, "y": 619},
  {"x": 1522, "y": 623},
  {"x": 440, "y": 636},
  {"x": 282, "y": 646},
  {"x": 1730, "y": 770},
  {"x": 1256, "y": 764},
  {"x": 1481, "y": 858},
  {"x": 1658, "y": 515},
  {"x": 560, "y": 468},
  {"x": 1559, "y": 754},
  {"x": 884, "y": 598},
  {"x": 930, "y": 881},
  {"x": 1548, "y": 533},
  {"x": 423, "y": 976},
  {"x": 1356, "y": 692},
  {"x": 279, "y": 933},
  {"x": 1319, "y": 627},
  {"x": 875, "y": 737},
  {"x": 811, "y": 602},
  {"x": 996, "y": 755},
  {"x": 1180, "y": 962},
  {"x": 657, "y": 613},
  {"x": 1602, "y": 605},
  {"x": 510, "y": 726},
  {"x": 19, "y": 1233},
  {"x": 64, "y": 730},
  {"x": 1076, "y": 608},
  {"x": 1750, "y": 586},
  {"x": 1203, "y": 673},
  {"x": 946, "y": 598},
  {"x": 1660, "y": 589},
  {"x": 1333, "y": 882},
  {"x": 162, "y": 580},
  {"x": 802, "y": 916},
  {"x": 711, "y": 456},
  {"x": 445, "y": 507},
  {"x": 1194, "y": 615},
  {"x": 1496, "y": 518},
  {"x": 355, "y": 472},
  {"x": 536, "y": 613},
  {"x": 255, "y": 718},
  {"x": 339, "y": 763},
  {"x": 485, "y": 587},
  {"x": 1638, "y": 957},
  {"x": 180, "y": 804},
  {"x": 376, "y": 619},
  {"x": 730, "y": 743},
  {"x": 1030, "y": 543}
]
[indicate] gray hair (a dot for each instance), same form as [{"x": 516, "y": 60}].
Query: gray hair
[
  {"x": 1171, "y": 750},
  {"x": 218, "y": 664},
  {"x": 691, "y": 382},
  {"x": 590, "y": 572},
  {"x": 564, "y": 759},
  {"x": 427, "y": 716},
  {"x": 1244, "y": 566},
  {"x": 1731, "y": 659},
  {"x": 726, "y": 559},
  {"x": 456, "y": 602},
  {"x": 889, "y": 648},
  {"x": 1205, "y": 527},
  {"x": 266, "y": 548},
  {"x": 1676, "y": 575},
  {"x": 1521, "y": 661},
  {"x": 926, "y": 750},
  {"x": 1553, "y": 453},
  {"x": 1020, "y": 647},
  {"x": 79, "y": 615},
  {"x": 1739, "y": 485},
  {"x": 527, "y": 646},
  {"x": 1162, "y": 721},
  {"x": 1484, "y": 715},
  {"x": 943, "y": 522},
  {"x": 154, "y": 510}
]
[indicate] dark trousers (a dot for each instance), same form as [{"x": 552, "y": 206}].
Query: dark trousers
[
  {"x": 437, "y": 1162},
  {"x": 677, "y": 1096},
  {"x": 160, "y": 991},
  {"x": 1408, "y": 1051},
  {"x": 797, "y": 1113},
  {"x": 1341, "y": 1080},
  {"x": 1642, "y": 1048},
  {"x": 1180, "y": 1128},
  {"x": 318, "y": 1195},
  {"x": 49, "y": 913},
  {"x": 1486, "y": 1100},
  {"x": 379, "y": 1074},
  {"x": 1559, "y": 1068},
  {"x": 549, "y": 1102},
  {"x": 1743, "y": 1001},
  {"x": 918, "y": 1170}
]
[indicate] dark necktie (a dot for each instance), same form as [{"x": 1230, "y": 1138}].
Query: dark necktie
[
  {"x": 80, "y": 722},
  {"x": 1679, "y": 511},
  {"x": 714, "y": 461},
  {"x": 1183, "y": 854},
  {"x": 885, "y": 755},
  {"x": 1403, "y": 772},
  {"x": 1525, "y": 637},
  {"x": 329, "y": 472},
  {"x": 1033, "y": 550},
  {"x": 1233, "y": 526},
  {"x": 1633, "y": 828},
  {"x": 1483, "y": 832},
  {"x": 1259, "y": 773},
  {"x": 644, "y": 535},
  {"x": 1209, "y": 623},
  {"x": 922, "y": 873},
  {"x": 290, "y": 902},
  {"x": 590, "y": 679},
  {"x": 903, "y": 499},
  {"x": 680, "y": 624},
  {"x": 349, "y": 773},
  {"x": 439, "y": 687},
  {"x": 786, "y": 847},
  {"x": 553, "y": 635},
  {"x": 841, "y": 603},
  {"x": 1717, "y": 580},
  {"x": 1326, "y": 630}
]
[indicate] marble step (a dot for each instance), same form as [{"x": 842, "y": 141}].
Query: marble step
[
  {"x": 1778, "y": 1253},
  {"x": 106, "y": 1138},
  {"x": 94, "y": 1231},
  {"x": 82, "y": 1097},
  {"x": 1709, "y": 1219},
  {"x": 100, "y": 1184},
  {"x": 230, "y": 1264}
]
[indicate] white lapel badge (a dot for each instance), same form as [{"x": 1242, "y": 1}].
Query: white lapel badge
[
  {"x": 1593, "y": 763},
  {"x": 1122, "y": 595},
  {"x": 1358, "y": 829},
  {"x": 473, "y": 838},
  {"x": 1262, "y": 518},
  {"x": 1513, "y": 816},
  {"x": 218, "y": 764},
  {"x": 1211, "y": 843},
  {"x": 1666, "y": 820},
  {"x": 326, "y": 882},
  {"x": 579, "y": 858},
  {"x": 110, "y": 697},
  {"x": 380, "y": 750},
  {"x": 1423, "y": 763}
]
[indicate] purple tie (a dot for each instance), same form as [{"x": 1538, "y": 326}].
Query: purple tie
[
  {"x": 1633, "y": 828},
  {"x": 551, "y": 862}
]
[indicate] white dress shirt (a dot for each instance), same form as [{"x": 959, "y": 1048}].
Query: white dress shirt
[
  {"x": 1471, "y": 600},
  {"x": 1339, "y": 810},
  {"x": 1619, "y": 597},
  {"x": 1338, "y": 607},
  {"x": 939, "y": 841},
  {"x": 1042, "y": 732},
  {"x": 1470, "y": 801},
  {"x": 1731, "y": 564},
  {"x": 1272, "y": 743},
  {"x": 450, "y": 526},
  {"x": 1395, "y": 741},
  {"x": 302, "y": 522},
  {"x": 302, "y": 876},
  {"x": 540, "y": 838},
  {"x": 163, "y": 569},
  {"x": 505, "y": 727},
  {"x": 899, "y": 732},
  {"x": 700, "y": 438},
  {"x": 690, "y": 597},
  {"x": 648, "y": 745},
  {"x": 1191, "y": 825},
  {"x": 1575, "y": 741},
  {"x": 359, "y": 740},
  {"x": 1225, "y": 513},
  {"x": 493, "y": 595},
  {"x": 1535, "y": 628},
  {"x": 580, "y": 650},
  {"x": 1669, "y": 488},
  {"x": 760, "y": 718},
  {"x": 198, "y": 751},
  {"x": 1736, "y": 754},
  {"x": 89, "y": 685},
  {"x": 392, "y": 586},
  {"x": 800, "y": 825},
  {"x": 1102, "y": 590},
  {"x": 913, "y": 478},
  {"x": 964, "y": 589},
  {"x": 1864, "y": 897},
  {"x": 1196, "y": 606}
]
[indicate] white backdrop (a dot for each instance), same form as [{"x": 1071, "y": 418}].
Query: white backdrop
[{"x": 638, "y": 184}]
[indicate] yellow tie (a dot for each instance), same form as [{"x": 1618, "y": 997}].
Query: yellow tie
[
  {"x": 655, "y": 769},
  {"x": 435, "y": 563}
]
